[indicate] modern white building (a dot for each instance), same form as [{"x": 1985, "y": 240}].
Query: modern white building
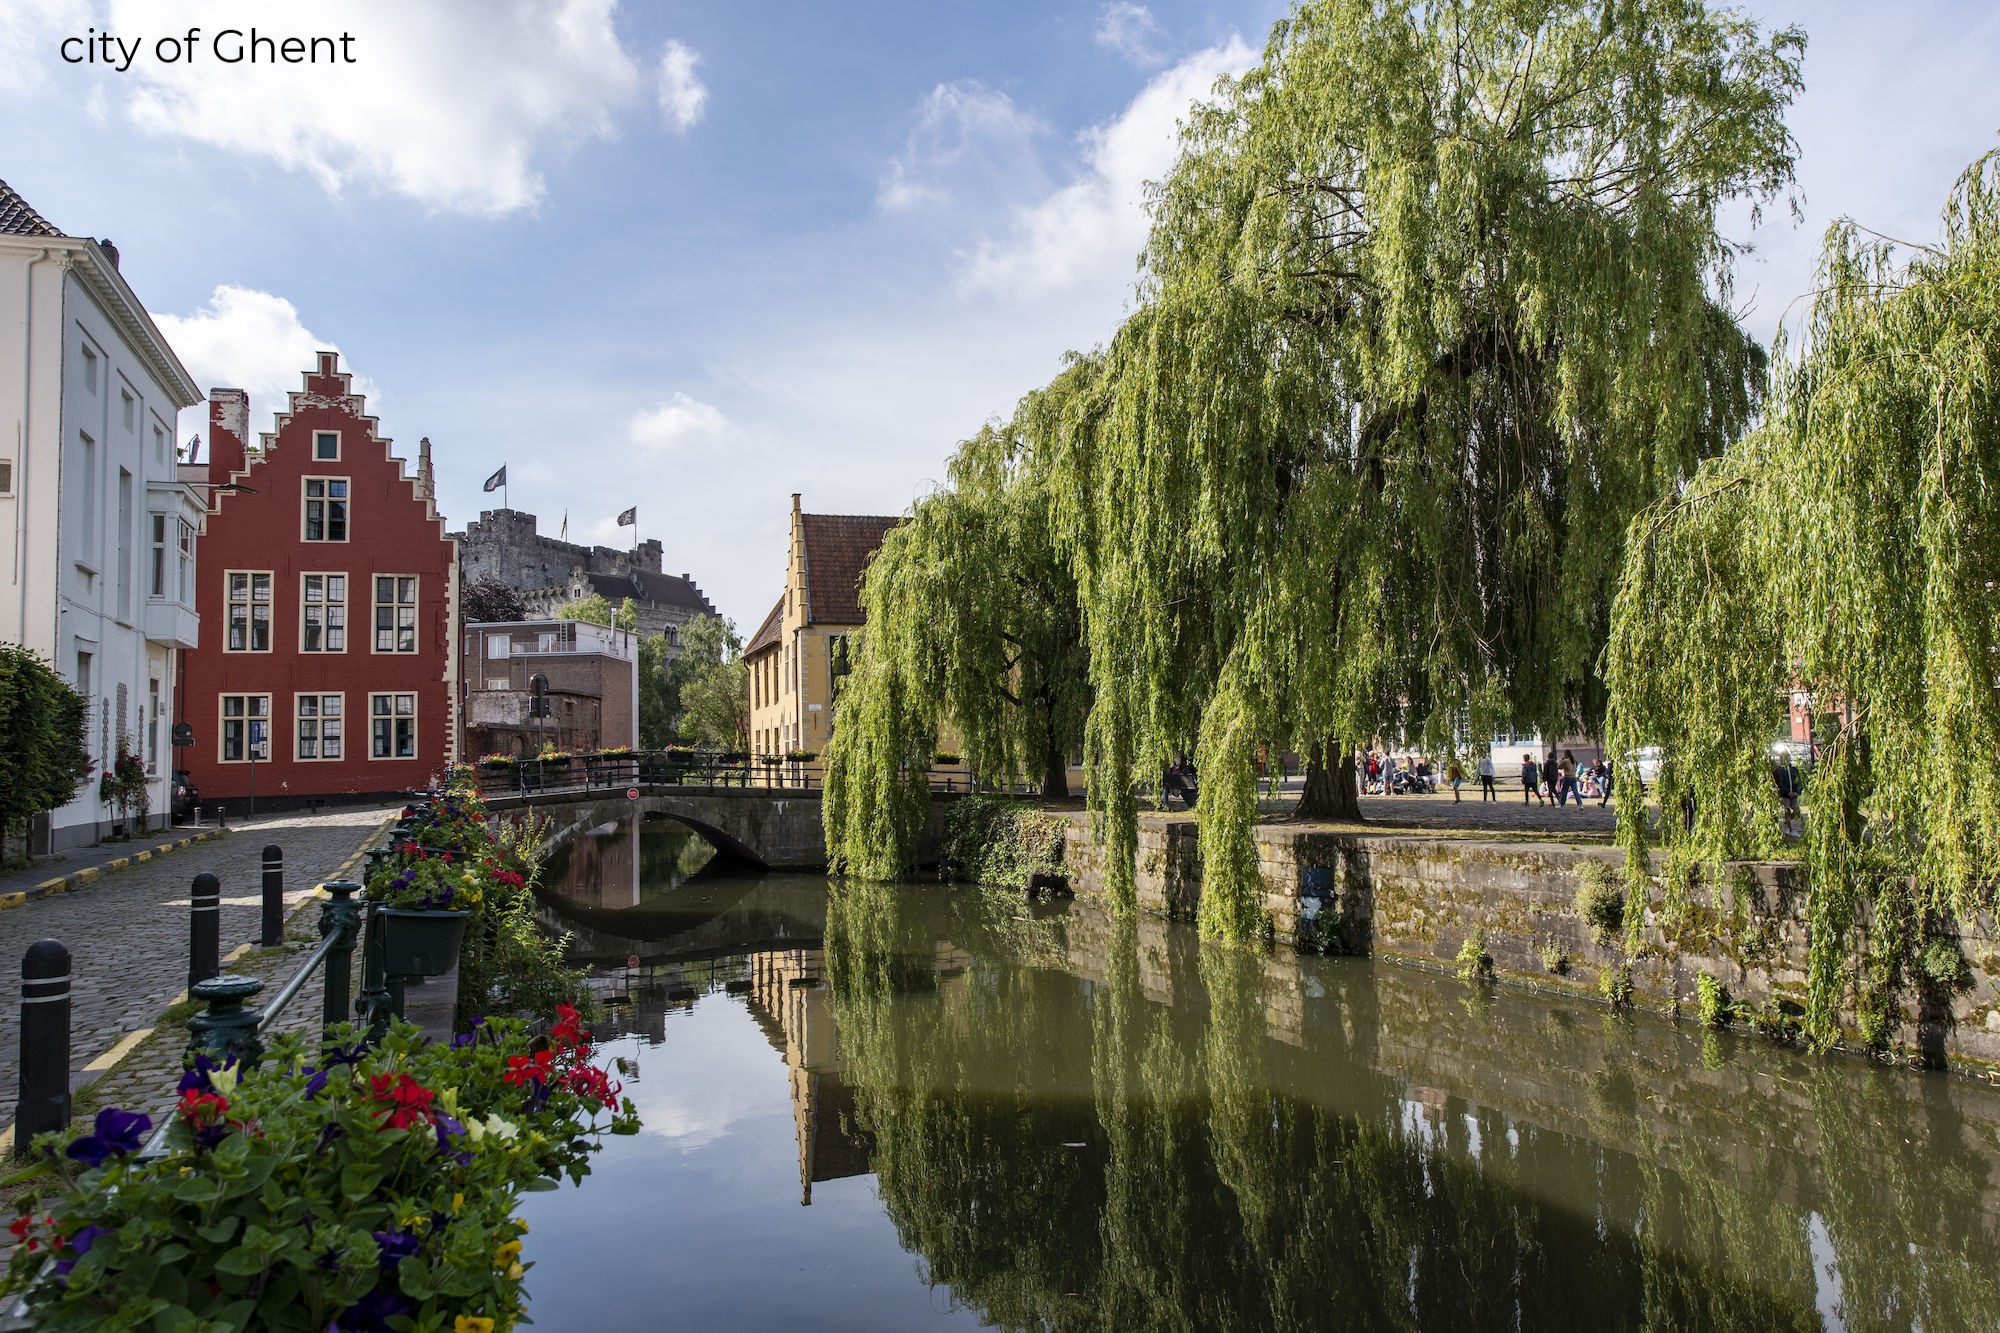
[{"x": 100, "y": 532}]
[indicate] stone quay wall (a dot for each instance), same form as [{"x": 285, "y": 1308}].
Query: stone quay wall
[{"x": 1416, "y": 899}]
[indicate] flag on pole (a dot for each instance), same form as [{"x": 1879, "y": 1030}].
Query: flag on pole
[
  {"x": 630, "y": 518},
  {"x": 565, "y": 530},
  {"x": 498, "y": 479}
]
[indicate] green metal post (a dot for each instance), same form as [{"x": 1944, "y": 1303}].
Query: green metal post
[
  {"x": 339, "y": 916},
  {"x": 226, "y": 1028}
]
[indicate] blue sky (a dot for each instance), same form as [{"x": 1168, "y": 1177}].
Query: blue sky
[{"x": 694, "y": 258}]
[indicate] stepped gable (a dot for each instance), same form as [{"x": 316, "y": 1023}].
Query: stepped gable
[
  {"x": 18, "y": 218},
  {"x": 768, "y": 633},
  {"x": 838, "y": 548}
]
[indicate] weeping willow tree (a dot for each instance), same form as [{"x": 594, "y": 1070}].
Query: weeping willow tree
[
  {"x": 1850, "y": 546},
  {"x": 1433, "y": 303},
  {"x": 973, "y": 623}
]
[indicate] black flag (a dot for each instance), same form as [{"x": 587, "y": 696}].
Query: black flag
[
  {"x": 498, "y": 479},
  {"x": 630, "y": 518}
]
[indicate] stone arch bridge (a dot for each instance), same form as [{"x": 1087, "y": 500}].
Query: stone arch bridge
[{"x": 765, "y": 828}]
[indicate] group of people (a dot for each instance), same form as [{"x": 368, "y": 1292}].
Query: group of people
[{"x": 1554, "y": 778}]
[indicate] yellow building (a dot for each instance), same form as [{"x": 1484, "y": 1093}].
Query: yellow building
[{"x": 799, "y": 654}]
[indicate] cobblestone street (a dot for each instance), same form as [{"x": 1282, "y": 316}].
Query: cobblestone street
[{"x": 127, "y": 935}]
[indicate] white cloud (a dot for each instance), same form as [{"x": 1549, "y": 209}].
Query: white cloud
[
  {"x": 29, "y": 31},
  {"x": 679, "y": 424},
  {"x": 451, "y": 103},
  {"x": 250, "y": 340},
  {"x": 683, "y": 96},
  {"x": 1096, "y": 224},
  {"x": 1129, "y": 30},
  {"x": 967, "y": 138}
]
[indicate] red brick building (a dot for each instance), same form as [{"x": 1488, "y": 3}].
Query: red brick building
[{"x": 332, "y": 589}]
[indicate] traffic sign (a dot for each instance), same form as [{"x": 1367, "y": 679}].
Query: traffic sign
[{"x": 631, "y": 793}]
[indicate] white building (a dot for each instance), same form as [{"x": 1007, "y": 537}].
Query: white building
[{"x": 100, "y": 533}]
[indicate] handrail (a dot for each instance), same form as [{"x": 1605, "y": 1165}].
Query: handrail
[
  {"x": 706, "y": 769},
  {"x": 291, "y": 988}
]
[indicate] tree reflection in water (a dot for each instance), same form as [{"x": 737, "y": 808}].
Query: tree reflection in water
[{"x": 1065, "y": 1150}]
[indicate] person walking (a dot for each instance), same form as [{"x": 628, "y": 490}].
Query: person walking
[
  {"x": 1551, "y": 775},
  {"x": 1531, "y": 778},
  {"x": 1389, "y": 775},
  {"x": 1374, "y": 770},
  {"x": 1603, "y": 781},
  {"x": 1456, "y": 775},
  {"x": 1566, "y": 778},
  {"x": 1485, "y": 770}
]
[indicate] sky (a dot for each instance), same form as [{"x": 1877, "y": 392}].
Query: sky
[{"x": 694, "y": 258}]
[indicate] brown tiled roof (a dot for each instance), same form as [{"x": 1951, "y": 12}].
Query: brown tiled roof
[
  {"x": 18, "y": 219},
  {"x": 767, "y": 633},
  {"x": 838, "y": 548},
  {"x": 643, "y": 585}
]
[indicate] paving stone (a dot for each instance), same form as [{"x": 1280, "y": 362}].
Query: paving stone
[{"x": 127, "y": 935}]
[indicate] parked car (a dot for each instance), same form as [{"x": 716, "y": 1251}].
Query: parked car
[
  {"x": 1647, "y": 759},
  {"x": 185, "y": 797}
]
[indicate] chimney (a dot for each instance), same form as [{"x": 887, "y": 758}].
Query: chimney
[
  {"x": 228, "y": 424},
  {"x": 426, "y": 483},
  {"x": 110, "y": 251}
]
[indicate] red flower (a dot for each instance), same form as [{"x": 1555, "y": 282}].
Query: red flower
[
  {"x": 202, "y": 1109},
  {"x": 568, "y": 1031},
  {"x": 408, "y": 1102},
  {"x": 522, "y": 1068},
  {"x": 592, "y": 1082}
]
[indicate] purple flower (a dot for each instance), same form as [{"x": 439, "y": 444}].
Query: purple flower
[
  {"x": 79, "y": 1245},
  {"x": 196, "y": 1078},
  {"x": 118, "y": 1132},
  {"x": 372, "y": 1313},
  {"x": 395, "y": 1246}
]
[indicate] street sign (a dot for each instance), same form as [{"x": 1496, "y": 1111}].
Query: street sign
[
  {"x": 183, "y": 735},
  {"x": 633, "y": 961},
  {"x": 631, "y": 793}
]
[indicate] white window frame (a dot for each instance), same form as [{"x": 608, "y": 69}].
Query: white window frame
[
  {"x": 319, "y": 457},
  {"x": 395, "y": 607},
  {"x": 393, "y": 716},
  {"x": 249, "y": 605},
  {"x": 307, "y": 605},
  {"x": 321, "y": 721},
  {"x": 223, "y": 718},
  {"x": 307, "y": 500}
]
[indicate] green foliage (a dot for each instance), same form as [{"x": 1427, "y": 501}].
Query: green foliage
[
  {"x": 43, "y": 750},
  {"x": 659, "y": 694},
  {"x": 1600, "y": 902},
  {"x": 1555, "y": 958},
  {"x": 1614, "y": 983},
  {"x": 973, "y": 623},
  {"x": 598, "y": 611},
  {"x": 292, "y": 1192},
  {"x": 1474, "y": 963},
  {"x": 994, "y": 840},
  {"x": 1712, "y": 1002},
  {"x": 1851, "y": 545},
  {"x": 1944, "y": 967},
  {"x": 712, "y": 684}
]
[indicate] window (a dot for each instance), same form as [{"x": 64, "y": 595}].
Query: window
[
  {"x": 323, "y": 614},
  {"x": 326, "y": 446},
  {"x": 187, "y": 563},
  {"x": 156, "y": 581},
  {"x": 152, "y": 726},
  {"x": 6, "y": 476},
  {"x": 125, "y": 407},
  {"x": 82, "y": 671},
  {"x": 326, "y": 509},
  {"x": 393, "y": 726},
  {"x": 159, "y": 443},
  {"x": 249, "y": 612},
  {"x": 246, "y": 727},
  {"x": 90, "y": 370},
  {"x": 319, "y": 726},
  {"x": 395, "y": 613},
  {"x": 499, "y": 646},
  {"x": 124, "y": 557},
  {"x": 87, "y": 528}
]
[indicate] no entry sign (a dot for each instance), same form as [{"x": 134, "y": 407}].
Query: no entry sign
[{"x": 631, "y": 793}]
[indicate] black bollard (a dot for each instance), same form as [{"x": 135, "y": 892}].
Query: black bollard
[
  {"x": 274, "y": 895},
  {"x": 221, "y": 817},
  {"x": 205, "y": 930},
  {"x": 44, "y": 1099}
]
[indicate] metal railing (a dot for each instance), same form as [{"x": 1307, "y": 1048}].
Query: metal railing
[{"x": 708, "y": 770}]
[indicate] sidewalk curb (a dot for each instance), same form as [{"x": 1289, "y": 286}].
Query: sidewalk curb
[{"x": 76, "y": 879}]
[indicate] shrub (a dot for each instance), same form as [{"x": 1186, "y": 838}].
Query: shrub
[
  {"x": 343, "y": 1189},
  {"x": 1943, "y": 966},
  {"x": 1600, "y": 902},
  {"x": 1712, "y": 1001},
  {"x": 1555, "y": 958},
  {"x": 998, "y": 840},
  {"x": 1615, "y": 984},
  {"x": 1474, "y": 963}
]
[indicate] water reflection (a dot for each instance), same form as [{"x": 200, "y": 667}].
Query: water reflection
[{"x": 1076, "y": 1122}]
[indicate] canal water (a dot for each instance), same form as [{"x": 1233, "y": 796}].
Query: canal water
[{"x": 914, "y": 1107}]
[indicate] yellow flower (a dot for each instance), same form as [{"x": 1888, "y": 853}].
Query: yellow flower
[
  {"x": 507, "y": 1254},
  {"x": 457, "y": 1202},
  {"x": 472, "y": 1323},
  {"x": 515, "y": 1272},
  {"x": 522, "y": 1224}
]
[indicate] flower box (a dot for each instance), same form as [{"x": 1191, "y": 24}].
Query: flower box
[{"x": 420, "y": 944}]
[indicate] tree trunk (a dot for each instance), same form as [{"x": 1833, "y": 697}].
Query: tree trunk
[
  {"x": 1330, "y": 791},
  {"x": 1055, "y": 769}
]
